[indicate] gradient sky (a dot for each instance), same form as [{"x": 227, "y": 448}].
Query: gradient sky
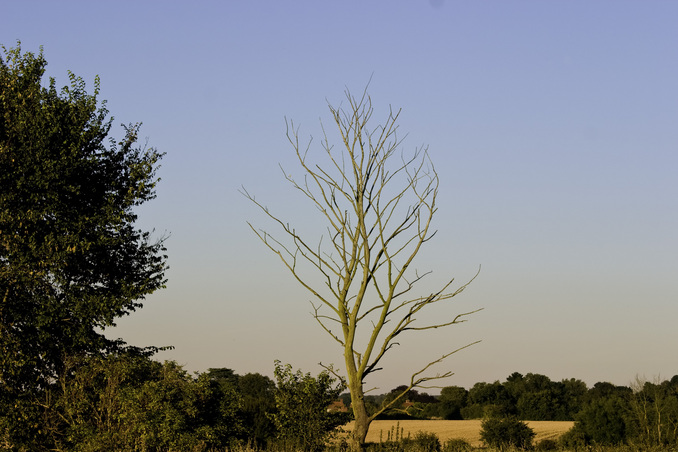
[{"x": 553, "y": 126}]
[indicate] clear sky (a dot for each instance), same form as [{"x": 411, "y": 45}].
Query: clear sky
[{"x": 553, "y": 126}]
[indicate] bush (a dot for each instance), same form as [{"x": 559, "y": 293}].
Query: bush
[
  {"x": 424, "y": 442},
  {"x": 602, "y": 422},
  {"x": 301, "y": 418},
  {"x": 546, "y": 444},
  {"x": 573, "y": 439},
  {"x": 129, "y": 402},
  {"x": 506, "y": 432},
  {"x": 457, "y": 445},
  {"x": 421, "y": 442}
]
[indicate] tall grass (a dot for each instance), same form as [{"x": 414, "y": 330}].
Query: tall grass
[
  {"x": 454, "y": 446},
  {"x": 429, "y": 442}
]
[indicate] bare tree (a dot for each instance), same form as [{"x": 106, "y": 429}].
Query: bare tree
[
  {"x": 377, "y": 205},
  {"x": 654, "y": 411}
]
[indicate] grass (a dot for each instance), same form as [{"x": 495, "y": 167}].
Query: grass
[{"x": 468, "y": 430}]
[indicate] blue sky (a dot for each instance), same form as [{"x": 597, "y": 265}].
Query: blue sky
[{"x": 552, "y": 125}]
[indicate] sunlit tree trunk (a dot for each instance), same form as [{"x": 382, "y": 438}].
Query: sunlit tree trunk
[{"x": 361, "y": 418}]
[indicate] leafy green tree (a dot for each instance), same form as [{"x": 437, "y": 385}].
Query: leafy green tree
[
  {"x": 536, "y": 383},
  {"x": 545, "y": 405},
  {"x": 257, "y": 395},
  {"x": 515, "y": 385},
  {"x": 302, "y": 417},
  {"x": 258, "y": 407},
  {"x": 574, "y": 394},
  {"x": 604, "y": 390},
  {"x": 71, "y": 259},
  {"x": 450, "y": 402},
  {"x": 536, "y": 397},
  {"x": 488, "y": 399},
  {"x": 542, "y": 400},
  {"x": 223, "y": 376}
]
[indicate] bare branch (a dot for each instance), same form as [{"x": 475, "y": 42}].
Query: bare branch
[
  {"x": 334, "y": 372},
  {"x": 416, "y": 380},
  {"x": 377, "y": 204}
]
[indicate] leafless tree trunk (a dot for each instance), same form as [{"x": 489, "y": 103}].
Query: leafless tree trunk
[
  {"x": 377, "y": 205},
  {"x": 648, "y": 405}
]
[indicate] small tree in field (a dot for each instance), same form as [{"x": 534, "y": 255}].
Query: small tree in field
[
  {"x": 506, "y": 433},
  {"x": 377, "y": 206}
]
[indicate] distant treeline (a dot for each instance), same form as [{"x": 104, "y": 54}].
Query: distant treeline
[
  {"x": 643, "y": 413},
  {"x": 532, "y": 397}
]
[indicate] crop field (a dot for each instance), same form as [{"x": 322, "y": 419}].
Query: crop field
[{"x": 468, "y": 430}]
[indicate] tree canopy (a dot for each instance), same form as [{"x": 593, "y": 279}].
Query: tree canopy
[{"x": 71, "y": 258}]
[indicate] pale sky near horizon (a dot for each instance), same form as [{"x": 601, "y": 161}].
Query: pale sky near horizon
[{"x": 553, "y": 126}]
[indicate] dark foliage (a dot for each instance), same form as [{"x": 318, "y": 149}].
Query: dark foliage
[
  {"x": 488, "y": 400},
  {"x": 602, "y": 421},
  {"x": 546, "y": 444},
  {"x": 506, "y": 432},
  {"x": 258, "y": 407},
  {"x": 530, "y": 397},
  {"x": 449, "y": 404},
  {"x": 301, "y": 417},
  {"x": 126, "y": 402},
  {"x": 71, "y": 259}
]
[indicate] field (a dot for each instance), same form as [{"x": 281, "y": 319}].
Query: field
[{"x": 468, "y": 430}]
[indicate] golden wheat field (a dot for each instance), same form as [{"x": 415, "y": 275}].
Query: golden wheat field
[{"x": 468, "y": 430}]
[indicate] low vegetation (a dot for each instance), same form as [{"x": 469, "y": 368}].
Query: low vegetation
[{"x": 131, "y": 402}]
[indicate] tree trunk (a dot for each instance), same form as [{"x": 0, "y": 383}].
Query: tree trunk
[{"x": 362, "y": 419}]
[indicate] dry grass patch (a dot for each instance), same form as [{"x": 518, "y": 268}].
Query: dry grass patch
[{"x": 468, "y": 430}]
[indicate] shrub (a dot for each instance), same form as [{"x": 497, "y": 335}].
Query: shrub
[
  {"x": 506, "y": 432},
  {"x": 302, "y": 419},
  {"x": 424, "y": 442},
  {"x": 573, "y": 439},
  {"x": 457, "y": 445},
  {"x": 602, "y": 421},
  {"x": 130, "y": 402},
  {"x": 420, "y": 442},
  {"x": 546, "y": 444}
]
